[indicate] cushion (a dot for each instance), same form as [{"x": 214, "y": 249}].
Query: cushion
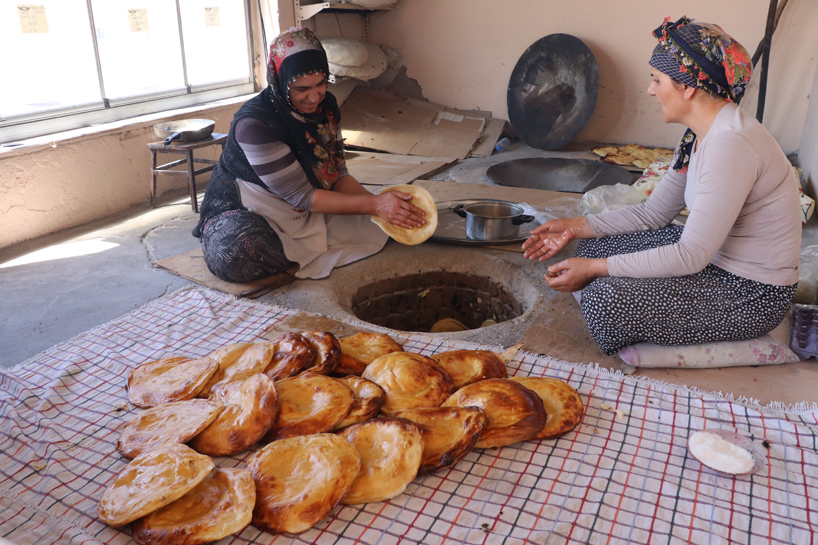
[
  {"x": 764, "y": 350},
  {"x": 345, "y": 52},
  {"x": 374, "y": 66}
]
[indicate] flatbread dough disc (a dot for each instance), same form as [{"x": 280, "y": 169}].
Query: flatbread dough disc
[{"x": 423, "y": 200}]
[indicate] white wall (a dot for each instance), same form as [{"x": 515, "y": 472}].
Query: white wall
[
  {"x": 462, "y": 53},
  {"x": 808, "y": 151}
]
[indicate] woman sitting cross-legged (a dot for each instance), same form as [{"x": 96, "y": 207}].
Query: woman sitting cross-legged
[{"x": 731, "y": 271}]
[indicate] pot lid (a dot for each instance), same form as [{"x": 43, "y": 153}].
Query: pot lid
[{"x": 552, "y": 91}]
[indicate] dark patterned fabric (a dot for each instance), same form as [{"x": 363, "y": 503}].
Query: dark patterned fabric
[
  {"x": 240, "y": 246},
  {"x": 711, "y": 305},
  {"x": 703, "y": 56}
]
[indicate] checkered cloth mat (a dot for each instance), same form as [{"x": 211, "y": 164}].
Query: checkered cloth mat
[{"x": 619, "y": 477}]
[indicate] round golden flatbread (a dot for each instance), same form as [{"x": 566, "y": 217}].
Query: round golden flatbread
[
  {"x": 250, "y": 408},
  {"x": 169, "y": 379},
  {"x": 225, "y": 356},
  {"x": 175, "y": 422},
  {"x": 369, "y": 398},
  {"x": 391, "y": 451},
  {"x": 469, "y": 366},
  {"x": 562, "y": 404},
  {"x": 253, "y": 360},
  {"x": 363, "y": 348},
  {"x": 617, "y": 159},
  {"x": 292, "y": 353},
  {"x": 423, "y": 200},
  {"x": 409, "y": 380},
  {"x": 220, "y": 505},
  {"x": 606, "y": 150},
  {"x": 514, "y": 412},
  {"x": 327, "y": 351},
  {"x": 308, "y": 404},
  {"x": 449, "y": 433},
  {"x": 150, "y": 481},
  {"x": 300, "y": 480}
]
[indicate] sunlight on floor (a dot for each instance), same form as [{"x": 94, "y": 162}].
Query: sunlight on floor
[{"x": 61, "y": 251}]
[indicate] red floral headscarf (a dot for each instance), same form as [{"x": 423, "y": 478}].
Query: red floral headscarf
[
  {"x": 294, "y": 53},
  {"x": 704, "y": 56}
]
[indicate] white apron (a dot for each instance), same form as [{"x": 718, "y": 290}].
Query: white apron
[{"x": 317, "y": 242}]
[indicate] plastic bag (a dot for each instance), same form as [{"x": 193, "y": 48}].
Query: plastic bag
[
  {"x": 807, "y": 292},
  {"x": 607, "y": 198}
]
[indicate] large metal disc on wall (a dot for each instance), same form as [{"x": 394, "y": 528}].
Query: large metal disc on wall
[{"x": 552, "y": 91}]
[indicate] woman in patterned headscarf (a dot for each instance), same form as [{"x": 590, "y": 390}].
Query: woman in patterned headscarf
[
  {"x": 730, "y": 272},
  {"x": 281, "y": 194}
]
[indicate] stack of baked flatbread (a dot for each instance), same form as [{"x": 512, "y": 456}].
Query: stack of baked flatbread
[
  {"x": 346, "y": 421},
  {"x": 631, "y": 154}
]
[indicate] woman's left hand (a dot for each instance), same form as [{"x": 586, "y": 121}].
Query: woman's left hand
[
  {"x": 396, "y": 208},
  {"x": 574, "y": 274}
]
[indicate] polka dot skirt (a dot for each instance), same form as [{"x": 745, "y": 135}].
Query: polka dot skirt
[{"x": 711, "y": 305}]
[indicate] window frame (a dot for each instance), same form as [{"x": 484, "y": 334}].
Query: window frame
[{"x": 105, "y": 111}]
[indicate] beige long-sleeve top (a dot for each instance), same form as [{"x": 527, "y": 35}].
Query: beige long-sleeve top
[{"x": 744, "y": 206}]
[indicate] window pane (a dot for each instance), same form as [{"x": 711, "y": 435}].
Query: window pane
[
  {"x": 51, "y": 65},
  {"x": 139, "y": 47},
  {"x": 215, "y": 34}
]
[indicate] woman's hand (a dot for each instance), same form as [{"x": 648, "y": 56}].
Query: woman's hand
[
  {"x": 574, "y": 274},
  {"x": 552, "y": 236},
  {"x": 396, "y": 208}
]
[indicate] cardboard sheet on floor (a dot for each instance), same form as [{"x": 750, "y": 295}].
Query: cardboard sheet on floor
[
  {"x": 489, "y": 137},
  {"x": 384, "y": 121},
  {"x": 192, "y": 266},
  {"x": 381, "y": 169}
]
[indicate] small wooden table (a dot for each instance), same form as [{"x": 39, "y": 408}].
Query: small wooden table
[{"x": 189, "y": 160}]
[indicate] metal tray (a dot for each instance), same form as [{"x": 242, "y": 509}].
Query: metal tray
[{"x": 451, "y": 228}]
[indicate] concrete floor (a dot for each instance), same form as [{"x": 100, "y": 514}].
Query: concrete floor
[{"x": 59, "y": 286}]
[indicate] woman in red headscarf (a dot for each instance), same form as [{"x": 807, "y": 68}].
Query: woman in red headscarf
[
  {"x": 281, "y": 194},
  {"x": 731, "y": 271}
]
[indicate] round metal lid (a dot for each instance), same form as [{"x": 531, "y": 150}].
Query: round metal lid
[{"x": 552, "y": 91}]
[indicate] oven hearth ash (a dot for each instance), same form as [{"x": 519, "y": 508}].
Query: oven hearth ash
[{"x": 416, "y": 302}]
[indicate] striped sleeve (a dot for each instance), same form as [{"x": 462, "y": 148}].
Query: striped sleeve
[{"x": 274, "y": 162}]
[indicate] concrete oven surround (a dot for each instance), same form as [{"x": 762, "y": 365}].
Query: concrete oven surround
[{"x": 497, "y": 284}]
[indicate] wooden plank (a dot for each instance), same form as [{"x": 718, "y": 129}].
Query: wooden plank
[
  {"x": 384, "y": 121},
  {"x": 192, "y": 267}
]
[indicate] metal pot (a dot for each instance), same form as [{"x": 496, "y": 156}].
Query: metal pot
[
  {"x": 186, "y": 130},
  {"x": 492, "y": 220}
]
